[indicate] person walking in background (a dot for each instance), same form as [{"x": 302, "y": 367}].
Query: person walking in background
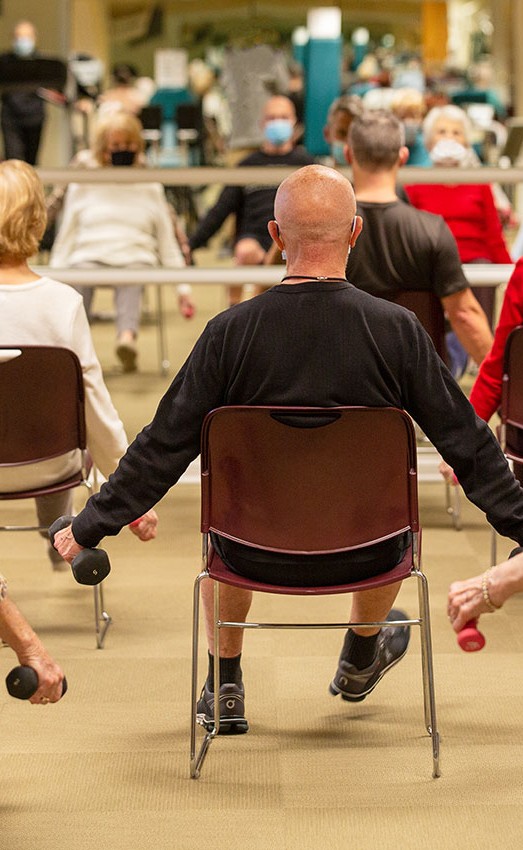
[{"x": 23, "y": 112}]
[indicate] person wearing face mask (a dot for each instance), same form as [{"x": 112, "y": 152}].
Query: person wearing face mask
[
  {"x": 253, "y": 205},
  {"x": 341, "y": 113},
  {"x": 23, "y": 111},
  {"x": 118, "y": 225},
  {"x": 468, "y": 209}
]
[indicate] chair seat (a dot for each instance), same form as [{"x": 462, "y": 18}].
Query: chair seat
[{"x": 219, "y": 571}]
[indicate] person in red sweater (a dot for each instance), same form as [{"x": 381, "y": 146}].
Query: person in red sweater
[
  {"x": 471, "y": 215},
  {"x": 468, "y": 209}
]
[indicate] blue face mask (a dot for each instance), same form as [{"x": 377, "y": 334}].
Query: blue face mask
[
  {"x": 279, "y": 131},
  {"x": 23, "y": 46},
  {"x": 338, "y": 152}
]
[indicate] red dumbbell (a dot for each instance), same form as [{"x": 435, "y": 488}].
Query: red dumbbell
[{"x": 470, "y": 638}]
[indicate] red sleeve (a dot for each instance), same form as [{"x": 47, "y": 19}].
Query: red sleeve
[
  {"x": 494, "y": 241},
  {"x": 486, "y": 392}
]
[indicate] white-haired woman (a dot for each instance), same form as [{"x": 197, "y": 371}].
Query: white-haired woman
[{"x": 468, "y": 208}]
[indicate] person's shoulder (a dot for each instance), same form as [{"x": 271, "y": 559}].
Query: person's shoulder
[{"x": 67, "y": 294}]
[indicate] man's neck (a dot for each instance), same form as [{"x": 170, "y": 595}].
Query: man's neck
[{"x": 378, "y": 187}]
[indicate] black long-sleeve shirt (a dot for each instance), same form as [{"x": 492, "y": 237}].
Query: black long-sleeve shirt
[
  {"x": 314, "y": 344},
  {"x": 253, "y": 205}
]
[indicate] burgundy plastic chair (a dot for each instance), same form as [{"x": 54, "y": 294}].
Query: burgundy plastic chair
[
  {"x": 42, "y": 417},
  {"x": 510, "y": 430},
  {"x": 427, "y": 308},
  {"x": 315, "y": 481}
]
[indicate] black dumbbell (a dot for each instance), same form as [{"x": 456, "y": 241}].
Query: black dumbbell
[
  {"x": 90, "y": 566},
  {"x": 22, "y": 682}
]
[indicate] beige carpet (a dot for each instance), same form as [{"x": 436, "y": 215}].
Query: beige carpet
[{"x": 110, "y": 764}]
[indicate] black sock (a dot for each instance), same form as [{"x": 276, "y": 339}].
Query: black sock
[
  {"x": 230, "y": 671},
  {"x": 358, "y": 649}
]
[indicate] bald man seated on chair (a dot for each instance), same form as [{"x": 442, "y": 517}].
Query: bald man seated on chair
[{"x": 313, "y": 340}]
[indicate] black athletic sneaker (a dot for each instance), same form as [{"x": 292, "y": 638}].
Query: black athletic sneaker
[
  {"x": 232, "y": 709},
  {"x": 353, "y": 684}
]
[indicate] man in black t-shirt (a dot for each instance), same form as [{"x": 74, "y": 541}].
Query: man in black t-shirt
[
  {"x": 253, "y": 205},
  {"x": 403, "y": 248}
]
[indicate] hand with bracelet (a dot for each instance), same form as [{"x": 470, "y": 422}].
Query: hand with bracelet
[{"x": 485, "y": 593}]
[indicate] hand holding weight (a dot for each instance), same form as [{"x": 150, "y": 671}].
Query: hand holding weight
[{"x": 90, "y": 566}]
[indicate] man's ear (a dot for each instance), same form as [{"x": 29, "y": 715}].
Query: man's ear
[
  {"x": 327, "y": 134},
  {"x": 347, "y": 152},
  {"x": 356, "y": 229},
  {"x": 403, "y": 155},
  {"x": 274, "y": 233}
]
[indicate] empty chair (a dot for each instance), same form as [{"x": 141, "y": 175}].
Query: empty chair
[{"x": 309, "y": 481}]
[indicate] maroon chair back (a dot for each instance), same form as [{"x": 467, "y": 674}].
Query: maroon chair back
[
  {"x": 512, "y": 393},
  {"x": 427, "y": 308},
  {"x": 41, "y": 403},
  {"x": 308, "y": 480}
]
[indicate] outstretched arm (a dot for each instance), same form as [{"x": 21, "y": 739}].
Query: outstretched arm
[{"x": 18, "y": 634}]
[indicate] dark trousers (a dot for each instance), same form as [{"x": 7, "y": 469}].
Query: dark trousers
[{"x": 20, "y": 142}]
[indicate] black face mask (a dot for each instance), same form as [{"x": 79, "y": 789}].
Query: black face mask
[{"x": 122, "y": 157}]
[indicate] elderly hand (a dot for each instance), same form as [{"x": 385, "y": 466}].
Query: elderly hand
[
  {"x": 50, "y": 675},
  {"x": 145, "y": 526},
  {"x": 65, "y": 543},
  {"x": 465, "y": 602}
]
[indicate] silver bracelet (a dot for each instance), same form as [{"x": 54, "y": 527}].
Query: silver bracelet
[
  {"x": 3, "y": 588},
  {"x": 486, "y": 595}
]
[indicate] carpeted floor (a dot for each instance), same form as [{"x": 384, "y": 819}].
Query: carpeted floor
[{"x": 109, "y": 765}]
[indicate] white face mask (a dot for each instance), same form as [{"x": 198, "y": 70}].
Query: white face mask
[
  {"x": 448, "y": 153},
  {"x": 23, "y": 46}
]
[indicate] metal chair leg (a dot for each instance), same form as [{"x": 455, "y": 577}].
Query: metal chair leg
[
  {"x": 102, "y": 620},
  {"x": 160, "y": 325},
  {"x": 493, "y": 548},
  {"x": 197, "y": 760},
  {"x": 453, "y": 505},
  {"x": 429, "y": 696}
]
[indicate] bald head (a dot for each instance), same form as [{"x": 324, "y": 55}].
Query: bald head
[{"x": 315, "y": 204}]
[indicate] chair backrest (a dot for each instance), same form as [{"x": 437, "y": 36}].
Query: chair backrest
[
  {"x": 41, "y": 403},
  {"x": 308, "y": 480},
  {"x": 512, "y": 394},
  {"x": 427, "y": 308}
]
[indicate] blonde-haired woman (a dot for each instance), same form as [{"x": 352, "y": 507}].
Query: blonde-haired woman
[
  {"x": 119, "y": 225},
  {"x": 40, "y": 311}
]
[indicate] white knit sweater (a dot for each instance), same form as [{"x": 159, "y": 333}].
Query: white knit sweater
[
  {"x": 45, "y": 312},
  {"x": 116, "y": 224}
]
